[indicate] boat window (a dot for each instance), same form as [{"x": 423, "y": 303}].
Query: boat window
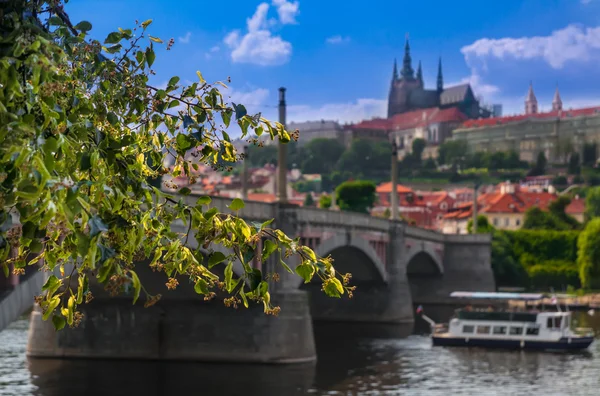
[
  {"x": 468, "y": 329},
  {"x": 499, "y": 330},
  {"x": 550, "y": 323},
  {"x": 533, "y": 331},
  {"x": 483, "y": 329},
  {"x": 558, "y": 322},
  {"x": 516, "y": 330}
]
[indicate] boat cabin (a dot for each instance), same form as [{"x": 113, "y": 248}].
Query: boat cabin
[{"x": 546, "y": 325}]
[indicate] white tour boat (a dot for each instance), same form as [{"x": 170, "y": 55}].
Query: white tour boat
[{"x": 509, "y": 328}]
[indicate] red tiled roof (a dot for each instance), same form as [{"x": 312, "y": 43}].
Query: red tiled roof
[
  {"x": 387, "y": 188},
  {"x": 539, "y": 116},
  {"x": 262, "y": 197},
  {"x": 413, "y": 119},
  {"x": 577, "y": 206},
  {"x": 433, "y": 197},
  {"x": 518, "y": 202}
]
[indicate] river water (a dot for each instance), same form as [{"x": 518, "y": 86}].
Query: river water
[{"x": 351, "y": 362}]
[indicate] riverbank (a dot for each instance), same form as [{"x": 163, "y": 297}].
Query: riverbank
[{"x": 573, "y": 303}]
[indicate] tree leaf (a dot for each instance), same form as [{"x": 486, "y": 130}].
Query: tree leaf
[
  {"x": 96, "y": 226},
  {"x": 146, "y": 23},
  {"x": 112, "y": 118},
  {"x": 255, "y": 278},
  {"x": 201, "y": 287},
  {"x": 333, "y": 288},
  {"x": 155, "y": 39},
  {"x": 284, "y": 265},
  {"x": 228, "y": 275},
  {"x": 52, "y": 304},
  {"x": 305, "y": 271},
  {"x": 200, "y": 77},
  {"x": 215, "y": 258},
  {"x": 204, "y": 201},
  {"x": 268, "y": 249},
  {"x": 236, "y": 204},
  {"x": 240, "y": 111},
  {"x": 185, "y": 191},
  {"x": 84, "y": 26},
  {"x": 70, "y": 310},
  {"x": 113, "y": 38},
  {"x": 150, "y": 56},
  {"x": 184, "y": 143},
  {"x": 137, "y": 286},
  {"x": 59, "y": 322},
  {"x": 52, "y": 284}
]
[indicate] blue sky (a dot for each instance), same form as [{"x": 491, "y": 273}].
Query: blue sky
[{"x": 335, "y": 57}]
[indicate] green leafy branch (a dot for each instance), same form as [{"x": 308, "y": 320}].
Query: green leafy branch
[{"x": 82, "y": 137}]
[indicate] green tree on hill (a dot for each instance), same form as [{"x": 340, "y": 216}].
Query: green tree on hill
[
  {"x": 308, "y": 200},
  {"x": 321, "y": 155},
  {"x": 592, "y": 203},
  {"x": 588, "y": 257},
  {"x": 356, "y": 196}
]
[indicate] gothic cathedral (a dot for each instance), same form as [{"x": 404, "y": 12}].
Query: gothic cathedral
[{"x": 408, "y": 93}]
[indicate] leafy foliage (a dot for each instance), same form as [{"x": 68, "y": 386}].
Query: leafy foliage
[
  {"x": 81, "y": 134},
  {"x": 574, "y": 164},
  {"x": 308, "y": 200},
  {"x": 325, "y": 201},
  {"x": 592, "y": 203},
  {"x": 554, "y": 219},
  {"x": 539, "y": 167},
  {"x": 356, "y": 196},
  {"x": 589, "y": 254}
]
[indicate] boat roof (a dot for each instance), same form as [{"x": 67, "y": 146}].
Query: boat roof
[{"x": 498, "y": 296}]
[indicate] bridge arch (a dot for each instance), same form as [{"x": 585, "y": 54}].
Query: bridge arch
[
  {"x": 424, "y": 260},
  {"x": 354, "y": 255}
]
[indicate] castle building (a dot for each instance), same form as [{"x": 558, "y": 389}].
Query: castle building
[
  {"x": 418, "y": 113},
  {"x": 408, "y": 93},
  {"x": 556, "y": 133}
]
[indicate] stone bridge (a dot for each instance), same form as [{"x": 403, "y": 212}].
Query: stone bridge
[{"x": 393, "y": 265}]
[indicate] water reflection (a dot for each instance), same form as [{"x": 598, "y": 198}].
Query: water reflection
[
  {"x": 100, "y": 378},
  {"x": 353, "y": 360}
]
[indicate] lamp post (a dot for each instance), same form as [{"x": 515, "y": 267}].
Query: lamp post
[
  {"x": 245, "y": 174},
  {"x": 394, "y": 195},
  {"x": 282, "y": 154}
]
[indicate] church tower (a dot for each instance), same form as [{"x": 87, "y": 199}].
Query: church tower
[
  {"x": 531, "y": 103},
  {"x": 440, "y": 77},
  {"x": 408, "y": 74},
  {"x": 557, "y": 101},
  {"x": 420, "y": 74}
]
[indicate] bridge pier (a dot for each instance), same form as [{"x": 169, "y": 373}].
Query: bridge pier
[{"x": 181, "y": 326}]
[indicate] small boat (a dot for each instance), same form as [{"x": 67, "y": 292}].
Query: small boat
[{"x": 509, "y": 329}]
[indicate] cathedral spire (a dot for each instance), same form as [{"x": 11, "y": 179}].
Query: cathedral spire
[
  {"x": 440, "y": 77},
  {"x": 557, "y": 101},
  {"x": 420, "y": 74},
  {"x": 407, "y": 70},
  {"x": 395, "y": 73},
  {"x": 531, "y": 103}
]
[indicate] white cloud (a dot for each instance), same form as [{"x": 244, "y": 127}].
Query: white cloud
[
  {"x": 570, "y": 44},
  {"x": 185, "y": 39},
  {"x": 356, "y": 111},
  {"x": 259, "y": 19},
  {"x": 586, "y": 1},
  {"x": 337, "y": 39},
  {"x": 216, "y": 48},
  {"x": 259, "y": 46},
  {"x": 254, "y": 98},
  {"x": 287, "y": 11}
]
